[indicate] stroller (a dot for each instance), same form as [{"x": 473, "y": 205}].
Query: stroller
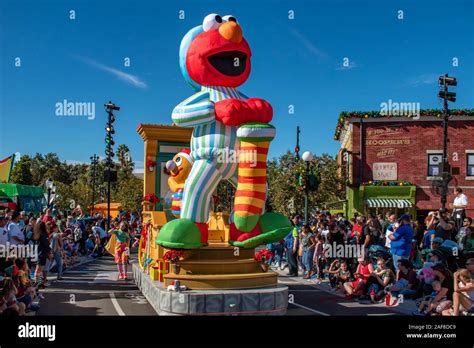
[
  {"x": 450, "y": 258},
  {"x": 376, "y": 251}
]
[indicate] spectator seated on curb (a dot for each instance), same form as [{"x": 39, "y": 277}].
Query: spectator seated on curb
[
  {"x": 362, "y": 274},
  {"x": 26, "y": 291},
  {"x": 406, "y": 282},
  {"x": 91, "y": 246},
  {"x": 445, "y": 294},
  {"x": 379, "y": 280},
  {"x": 463, "y": 295},
  {"x": 338, "y": 274},
  {"x": 428, "y": 305},
  {"x": 8, "y": 299}
]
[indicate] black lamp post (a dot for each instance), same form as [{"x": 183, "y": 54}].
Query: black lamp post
[
  {"x": 307, "y": 157},
  {"x": 94, "y": 162},
  {"x": 297, "y": 147},
  {"x": 444, "y": 81},
  {"x": 110, "y": 176}
]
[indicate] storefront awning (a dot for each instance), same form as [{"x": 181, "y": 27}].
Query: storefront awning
[{"x": 388, "y": 203}]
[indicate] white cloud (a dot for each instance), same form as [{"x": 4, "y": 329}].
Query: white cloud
[
  {"x": 423, "y": 79},
  {"x": 308, "y": 44},
  {"x": 128, "y": 78}
]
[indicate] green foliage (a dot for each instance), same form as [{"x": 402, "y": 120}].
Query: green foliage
[
  {"x": 74, "y": 181},
  {"x": 21, "y": 172},
  {"x": 286, "y": 183}
]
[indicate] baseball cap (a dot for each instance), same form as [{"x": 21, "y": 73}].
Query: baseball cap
[
  {"x": 404, "y": 217},
  {"x": 438, "y": 240}
]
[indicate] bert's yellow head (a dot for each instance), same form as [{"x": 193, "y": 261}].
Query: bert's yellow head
[{"x": 179, "y": 168}]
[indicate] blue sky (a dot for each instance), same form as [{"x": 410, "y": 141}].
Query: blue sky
[{"x": 295, "y": 62}]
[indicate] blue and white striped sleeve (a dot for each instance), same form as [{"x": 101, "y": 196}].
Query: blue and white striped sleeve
[{"x": 196, "y": 110}]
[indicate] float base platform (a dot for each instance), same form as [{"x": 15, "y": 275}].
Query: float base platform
[{"x": 271, "y": 300}]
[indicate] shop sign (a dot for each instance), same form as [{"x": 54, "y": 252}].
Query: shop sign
[{"x": 385, "y": 171}]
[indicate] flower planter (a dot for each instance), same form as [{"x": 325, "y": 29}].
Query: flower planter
[
  {"x": 265, "y": 267},
  {"x": 148, "y": 206},
  {"x": 176, "y": 268}
]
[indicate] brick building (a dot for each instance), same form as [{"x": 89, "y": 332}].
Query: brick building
[{"x": 390, "y": 163}]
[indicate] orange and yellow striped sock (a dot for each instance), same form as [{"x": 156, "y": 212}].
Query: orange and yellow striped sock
[{"x": 250, "y": 195}]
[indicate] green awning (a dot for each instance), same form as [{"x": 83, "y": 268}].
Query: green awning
[
  {"x": 389, "y": 203},
  {"x": 14, "y": 190}
]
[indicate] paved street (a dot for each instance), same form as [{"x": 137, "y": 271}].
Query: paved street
[
  {"x": 92, "y": 289},
  {"x": 310, "y": 299}
]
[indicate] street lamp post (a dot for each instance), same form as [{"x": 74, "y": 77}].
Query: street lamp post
[
  {"x": 49, "y": 187},
  {"x": 444, "y": 82},
  {"x": 109, "y": 174},
  {"x": 307, "y": 157},
  {"x": 94, "y": 161},
  {"x": 297, "y": 148}
]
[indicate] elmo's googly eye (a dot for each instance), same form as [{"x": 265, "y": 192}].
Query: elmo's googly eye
[
  {"x": 229, "y": 18},
  {"x": 178, "y": 160},
  {"x": 212, "y": 21}
]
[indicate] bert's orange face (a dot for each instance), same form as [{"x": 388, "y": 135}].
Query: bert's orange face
[
  {"x": 178, "y": 169},
  {"x": 219, "y": 56}
]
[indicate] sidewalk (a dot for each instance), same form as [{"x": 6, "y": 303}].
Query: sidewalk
[
  {"x": 405, "y": 308},
  {"x": 82, "y": 261}
]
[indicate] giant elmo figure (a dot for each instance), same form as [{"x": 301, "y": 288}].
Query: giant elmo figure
[{"x": 215, "y": 60}]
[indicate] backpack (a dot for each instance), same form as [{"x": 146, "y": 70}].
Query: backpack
[{"x": 289, "y": 241}]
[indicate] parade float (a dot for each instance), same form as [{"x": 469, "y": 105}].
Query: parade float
[{"x": 193, "y": 260}]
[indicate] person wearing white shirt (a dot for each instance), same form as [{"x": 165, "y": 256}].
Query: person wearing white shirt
[
  {"x": 3, "y": 231},
  {"x": 97, "y": 230},
  {"x": 392, "y": 222},
  {"x": 460, "y": 204},
  {"x": 15, "y": 235}
]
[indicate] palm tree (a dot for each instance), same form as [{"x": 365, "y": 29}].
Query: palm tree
[{"x": 125, "y": 160}]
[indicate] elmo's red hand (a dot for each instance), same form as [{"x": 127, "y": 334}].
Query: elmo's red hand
[{"x": 234, "y": 112}]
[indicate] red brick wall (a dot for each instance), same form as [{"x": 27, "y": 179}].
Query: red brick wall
[{"x": 406, "y": 144}]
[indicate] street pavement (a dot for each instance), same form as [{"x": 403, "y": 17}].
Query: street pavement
[
  {"x": 308, "y": 298},
  {"x": 93, "y": 289}
]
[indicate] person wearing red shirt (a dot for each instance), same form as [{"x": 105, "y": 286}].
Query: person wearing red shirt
[{"x": 47, "y": 217}]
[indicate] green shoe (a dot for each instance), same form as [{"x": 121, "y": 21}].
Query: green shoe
[
  {"x": 274, "y": 228},
  {"x": 179, "y": 234}
]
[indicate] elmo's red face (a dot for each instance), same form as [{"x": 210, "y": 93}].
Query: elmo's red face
[{"x": 219, "y": 56}]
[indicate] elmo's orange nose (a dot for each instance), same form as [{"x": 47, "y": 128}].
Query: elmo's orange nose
[{"x": 231, "y": 31}]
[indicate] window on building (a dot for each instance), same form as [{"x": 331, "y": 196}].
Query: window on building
[
  {"x": 470, "y": 164},
  {"x": 434, "y": 160}
]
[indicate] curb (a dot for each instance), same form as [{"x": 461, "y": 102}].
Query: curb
[
  {"x": 406, "y": 309},
  {"x": 82, "y": 261}
]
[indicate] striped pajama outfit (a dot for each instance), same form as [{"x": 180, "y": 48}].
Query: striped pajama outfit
[{"x": 212, "y": 146}]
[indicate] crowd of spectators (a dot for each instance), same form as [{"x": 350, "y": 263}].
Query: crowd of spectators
[
  {"x": 430, "y": 262},
  {"x": 33, "y": 247}
]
